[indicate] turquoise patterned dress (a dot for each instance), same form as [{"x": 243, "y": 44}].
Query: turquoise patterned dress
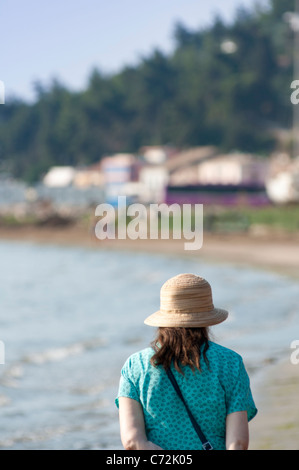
[{"x": 217, "y": 390}]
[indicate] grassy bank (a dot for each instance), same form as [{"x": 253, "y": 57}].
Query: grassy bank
[
  {"x": 271, "y": 219},
  {"x": 284, "y": 218}
]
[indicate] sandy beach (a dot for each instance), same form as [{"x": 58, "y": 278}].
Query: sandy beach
[{"x": 276, "y": 426}]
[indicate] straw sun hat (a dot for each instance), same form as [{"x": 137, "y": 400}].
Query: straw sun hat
[{"x": 186, "y": 301}]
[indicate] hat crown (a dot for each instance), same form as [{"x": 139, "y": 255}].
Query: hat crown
[
  {"x": 186, "y": 301},
  {"x": 184, "y": 280},
  {"x": 186, "y": 293}
]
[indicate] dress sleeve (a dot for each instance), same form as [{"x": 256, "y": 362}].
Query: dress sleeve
[
  {"x": 239, "y": 396},
  {"x": 127, "y": 387}
]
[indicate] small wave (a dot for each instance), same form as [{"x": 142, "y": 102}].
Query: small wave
[
  {"x": 27, "y": 438},
  {"x": 4, "y": 401},
  {"x": 88, "y": 390},
  {"x": 59, "y": 354},
  {"x": 53, "y": 355},
  {"x": 11, "y": 376}
]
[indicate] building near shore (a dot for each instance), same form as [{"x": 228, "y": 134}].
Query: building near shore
[
  {"x": 153, "y": 174},
  {"x": 234, "y": 169},
  {"x": 11, "y": 191},
  {"x": 173, "y": 167},
  {"x": 283, "y": 183},
  {"x": 59, "y": 177},
  {"x": 153, "y": 182},
  {"x": 206, "y": 166},
  {"x": 89, "y": 176},
  {"x": 120, "y": 173},
  {"x": 207, "y": 177},
  {"x": 183, "y": 167}
]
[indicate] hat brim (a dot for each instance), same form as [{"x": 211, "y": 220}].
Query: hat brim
[{"x": 187, "y": 320}]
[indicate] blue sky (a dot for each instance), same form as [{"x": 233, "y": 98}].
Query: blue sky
[{"x": 65, "y": 39}]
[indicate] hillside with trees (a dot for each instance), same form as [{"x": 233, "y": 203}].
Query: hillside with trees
[{"x": 227, "y": 85}]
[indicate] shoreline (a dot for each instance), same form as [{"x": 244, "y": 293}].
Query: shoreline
[
  {"x": 276, "y": 426},
  {"x": 275, "y": 252}
]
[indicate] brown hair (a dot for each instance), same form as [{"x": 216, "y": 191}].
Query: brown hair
[{"x": 182, "y": 346}]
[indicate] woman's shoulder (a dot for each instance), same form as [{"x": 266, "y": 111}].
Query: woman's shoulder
[
  {"x": 139, "y": 358},
  {"x": 226, "y": 363},
  {"x": 220, "y": 351}
]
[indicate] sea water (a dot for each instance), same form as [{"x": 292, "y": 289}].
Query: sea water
[{"x": 69, "y": 318}]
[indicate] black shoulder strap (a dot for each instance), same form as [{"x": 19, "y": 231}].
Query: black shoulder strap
[{"x": 205, "y": 443}]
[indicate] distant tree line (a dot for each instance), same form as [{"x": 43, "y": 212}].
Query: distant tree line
[{"x": 227, "y": 85}]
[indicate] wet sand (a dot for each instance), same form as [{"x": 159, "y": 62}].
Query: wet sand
[{"x": 276, "y": 427}]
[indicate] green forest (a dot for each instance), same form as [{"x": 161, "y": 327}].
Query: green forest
[{"x": 227, "y": 85}]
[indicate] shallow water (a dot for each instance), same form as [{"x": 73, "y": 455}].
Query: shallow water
[{"x": 71, "y": 316}]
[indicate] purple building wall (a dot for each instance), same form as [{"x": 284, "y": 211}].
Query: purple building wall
[{"x": 217, "y": 195}]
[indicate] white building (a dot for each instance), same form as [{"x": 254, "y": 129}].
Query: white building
[
  {"x": 183, "y": 167},
  {"x": 59, "y": 177},
  {"x": 89, "y": 176},
  {"x": 233, "y": 169},
  {"x": 153, "y": 181},
  {"x": 283, "y": 183},
  {"x": 205, "y": 166}
]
